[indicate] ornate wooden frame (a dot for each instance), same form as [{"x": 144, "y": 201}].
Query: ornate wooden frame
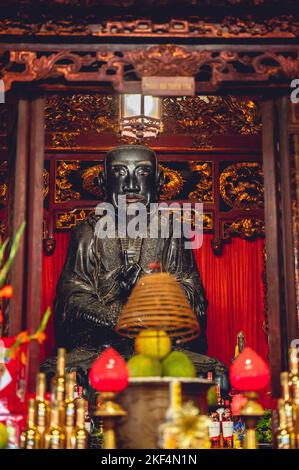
[
  {"x": 212, "y": 66},
  {"x": 196, "y": 19}
]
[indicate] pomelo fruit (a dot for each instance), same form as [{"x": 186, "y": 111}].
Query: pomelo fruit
[
  {"x": 153, "y": 343},
  {"x": 144, "y": 366},
  {"x": 178, "y": 364}
]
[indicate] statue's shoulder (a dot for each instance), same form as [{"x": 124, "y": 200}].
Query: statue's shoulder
[{"x": 83, "y": 230}]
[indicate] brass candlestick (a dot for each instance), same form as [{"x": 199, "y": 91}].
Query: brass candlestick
[
  {"x": 251, "y": 412},
  {"x": 109, "y": 411}
]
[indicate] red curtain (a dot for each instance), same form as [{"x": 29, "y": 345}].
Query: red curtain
[
  {"x": 234, "y": 287},
  {"x": 52, "y": 266},
  {"x": 235, "y": 292}
]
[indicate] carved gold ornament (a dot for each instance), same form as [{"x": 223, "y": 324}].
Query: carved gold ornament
[
  {"x": 188, "y": 430},
  {"x": 90, "y": 183},
  {"x": 3, "y": 181},
  {"x": 204, "y": 187},
  {"x": 46, "y": 180},
  {"x": 99, "y": 66},
  {"x": 64, "y": 139},
  {"x": 188, "y": 216},
  {"x": 166, "y": 60},
  {"x": 81, "y": 112},
  {"x": 63, "y": 187},
  {"x": 173, "y": 185},
  {"x": 68, "y": 116},
  {"x": 71, "y": 219},
  {"x": 242, "y": 185},
  {"x": 3, "y": 191},
  {"x": 202, "y": 117},
  {"x": 245, "y": 228},
  {"x": 230, "y": 26},
  {"x": 206, "y": 224},
  {"x": 208, "y": 221},
  {"x": 110, "y": 65},
  {"x": 206, "y": 116}
]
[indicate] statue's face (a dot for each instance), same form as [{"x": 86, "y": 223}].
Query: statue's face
[{"x": 131, "y": 173}]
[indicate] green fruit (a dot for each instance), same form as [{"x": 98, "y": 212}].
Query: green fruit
[
  {"x": 3, "y": 436},
  {"x": 212, "y": 396},
  {"x": 144, "y": 366},
  {"x": 178, "y": 364}
]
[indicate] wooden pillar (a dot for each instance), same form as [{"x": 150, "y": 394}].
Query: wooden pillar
[
  {"x": 35, "y": 227},
  {"x": 281, "y": 284},
  {"x": 20, "y": 171},
  {"x": 287, "y": 221},
  {"x": 273, "y": 244}
]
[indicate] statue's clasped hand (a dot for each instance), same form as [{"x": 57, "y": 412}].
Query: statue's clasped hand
[{"x": 128, "y": 276}]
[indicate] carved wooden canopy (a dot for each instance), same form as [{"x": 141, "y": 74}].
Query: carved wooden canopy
[
  {"x": 119, "y": 41},
  {"x": 220, "y": 19},
  {"x": 212, "y": 67}
]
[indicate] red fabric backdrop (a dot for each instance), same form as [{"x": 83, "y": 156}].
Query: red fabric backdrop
[
  {"x": 235, "y": 292},
  {"x": 52, "y": 266},
  {"x": 234, "y": 288}
]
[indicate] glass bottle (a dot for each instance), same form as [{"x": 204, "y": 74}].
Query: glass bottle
[
  {"x": 296, "y": 413},
  {"x": 227, "y": 426},
  {"x": 294, "y": 390},
  {"x": 78, "y": 392},
  {"x": 88, "y": 421},
  {"x": 293, "y": 368},
  {"x": 282, "y": 438},
  {"x": 70, "y": 411},
  {"x": 81, "y": 435},
  {"x": 42, "y": 406},
  {"x": 55, "y": 434},
  {"x": 30, "y": 437},
  {"x": 214, "y": 430},
  {"x": 59, "y": 379},
  {"x": 288, "y": 406},
  {"x": 220, "y": 411},
  {"x": 58, "y": 385},
  {"x": 76, "y": 387}
]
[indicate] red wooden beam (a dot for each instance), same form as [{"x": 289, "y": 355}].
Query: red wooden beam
[
  {"x": 20, "y": 169},
  {"x": 273, "y": 243},
  {"x": 292, "y": 327},
  {"x": 35, "y": 227}
]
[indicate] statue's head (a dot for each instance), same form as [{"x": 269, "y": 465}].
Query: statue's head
[{"x": 131, "y": 171}]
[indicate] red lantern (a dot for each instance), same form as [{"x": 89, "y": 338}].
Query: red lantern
[
  {"x": 249, "y": 372},
  {"x": 109, "y": 373}
]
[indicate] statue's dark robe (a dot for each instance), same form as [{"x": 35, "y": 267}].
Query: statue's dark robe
[{"x": 89, "y": 298}]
